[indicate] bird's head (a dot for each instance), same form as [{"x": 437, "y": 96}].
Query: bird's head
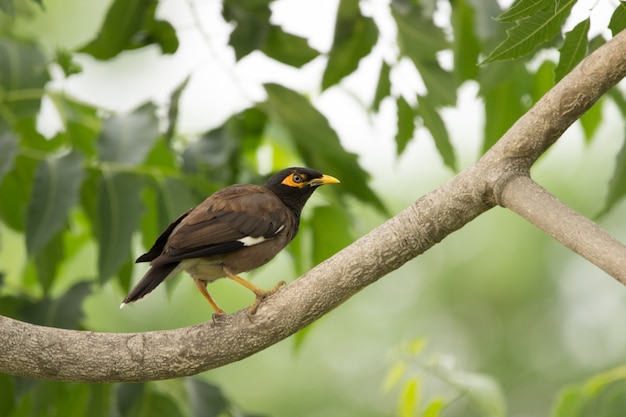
[{"x": 295, "y": 185}]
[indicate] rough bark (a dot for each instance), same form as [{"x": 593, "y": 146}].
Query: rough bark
[
  {"x": 528, "y": 199},
  {"x": 501, "y": 176}
]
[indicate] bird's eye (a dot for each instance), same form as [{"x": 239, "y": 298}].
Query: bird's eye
[{"x": 297, "y": 178}]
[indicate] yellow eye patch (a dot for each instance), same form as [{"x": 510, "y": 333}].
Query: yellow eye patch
[{"x": 295, "y": 180}]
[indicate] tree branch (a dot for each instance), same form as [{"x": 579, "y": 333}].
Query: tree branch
[
  {"x": 109, "y": 357},
  {"x": 528, "y": 199}
]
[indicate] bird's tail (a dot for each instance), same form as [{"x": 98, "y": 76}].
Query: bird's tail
[{"x": 149, "y": 282}]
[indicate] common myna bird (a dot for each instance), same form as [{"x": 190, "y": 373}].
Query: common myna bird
[{"x": 236, "y": 229}]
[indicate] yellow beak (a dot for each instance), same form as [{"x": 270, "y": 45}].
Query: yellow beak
[{"x": 326, "y": 179}]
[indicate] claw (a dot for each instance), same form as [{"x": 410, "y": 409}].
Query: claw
[
  {"x": 262, "y": 295},
  {"x": 217, "y": 314}
]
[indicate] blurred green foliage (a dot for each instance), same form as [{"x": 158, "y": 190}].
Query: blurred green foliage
[{"x": 78, "y": 204}]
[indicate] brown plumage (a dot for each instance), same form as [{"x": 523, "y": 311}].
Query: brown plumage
[{"x": 235, "y": 230}]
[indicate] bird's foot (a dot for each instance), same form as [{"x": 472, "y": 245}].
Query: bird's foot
[
  {"x": 261, "y": 295},
  {"x": 217, "y": 314}
]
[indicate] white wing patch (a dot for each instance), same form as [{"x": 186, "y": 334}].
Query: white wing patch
[{"x": 251, "y": 241}]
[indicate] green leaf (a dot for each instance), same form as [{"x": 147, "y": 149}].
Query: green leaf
[
  {"x": 15, "y": 191},
  {"x": 393, "y": 377},
  {"x": 118, "y": 214},
  {"x": 466, "y": 46},
  {"x": 11, "y": 306},
  {"x": 249, "y": 128},
  {"x": 383, "y": 88},
  {"x": 8, "y": 397},
  {"x": 524, "y": 8},
  {"x": 100, "y": 399},
  {"x": 592, "y": 119},
  {"x": 65, "y": 59},
  {"x": 150, "y": 225},
  {"x": 604, "y": 395},
  {"x": 128, "y": 138},
  {"x": 129, "y": 397},
  {"x": 543, "y": 80},
  {"x": 125, "y": 274},
  {"x": 573, "y": 50},
  {"x": 617, "y": 183},
  {"x": 211, "y": 156},
  {"x": 409, "y": 398},
  {"x": 33, "y": 141},
  {"x": 441, "y": 84},
  {"x": 595, "y": 42},
  {"x": 162, "y": 157},
  {"x": 42, "y": 399},
  {"x": 287, "y": 48},
  {"x": 249, "y": 125},
  {"x": 618, "y": 19},
  {"x": 80, "y": 121},
  {"x": 618, "y": 98},
  {"x": 569, "y": 403},
  {"x": 160, "y": 405},
  {"x": 331, "y": 231},
  {"x": 205, "y": 400},
  {"x": 434, "y": 123},
  {"x": 173, "y": 110},
  {"x": 415, "y": 347},
  {"x": 89, "y": 197},
  {"x": 355, "y": 36},
  {"x": 131, "y": 25},
  {"x": 318, "y": 143},
  {"x": 55, "y": 191},
  {"x": 251, "y": 19},
  {"x": 8, "y": 151},
  {"x": 48, "y": 260},
  {"x": 174, "y": 198},
  {"x": 418, "y": 37},
  {"x": 504, "y": 87},
  {"x": 299, "y": 250},
  {"x": 434, "y": 408},
  {"x": 142, "y": 400},
  {"x": 405, "y": 123},
  {"x": 7, "y": 7},
  {"x": 603, "y": 380},
  {"x": 23, "y": 76},
  {"x": 420, "y": 40},
  {"x": 65, "y": 312},
  {"x": 159, "y": 32},
  {"x": 531, "y": 32},
  {"x": 301, "y": 335}
]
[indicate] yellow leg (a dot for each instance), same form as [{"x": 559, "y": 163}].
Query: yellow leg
[
  {"x": 202, "y": 288},
  {"x": 259, "y": 292}
]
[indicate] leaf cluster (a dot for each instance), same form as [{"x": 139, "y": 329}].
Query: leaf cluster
[
  {"x": 184, "y": 397},
  {"x": 415, "y": 372}
]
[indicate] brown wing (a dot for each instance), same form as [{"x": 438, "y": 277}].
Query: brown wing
[
  {"x": 219, "y": 224},
  {"x": 159, "y": 244}
]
